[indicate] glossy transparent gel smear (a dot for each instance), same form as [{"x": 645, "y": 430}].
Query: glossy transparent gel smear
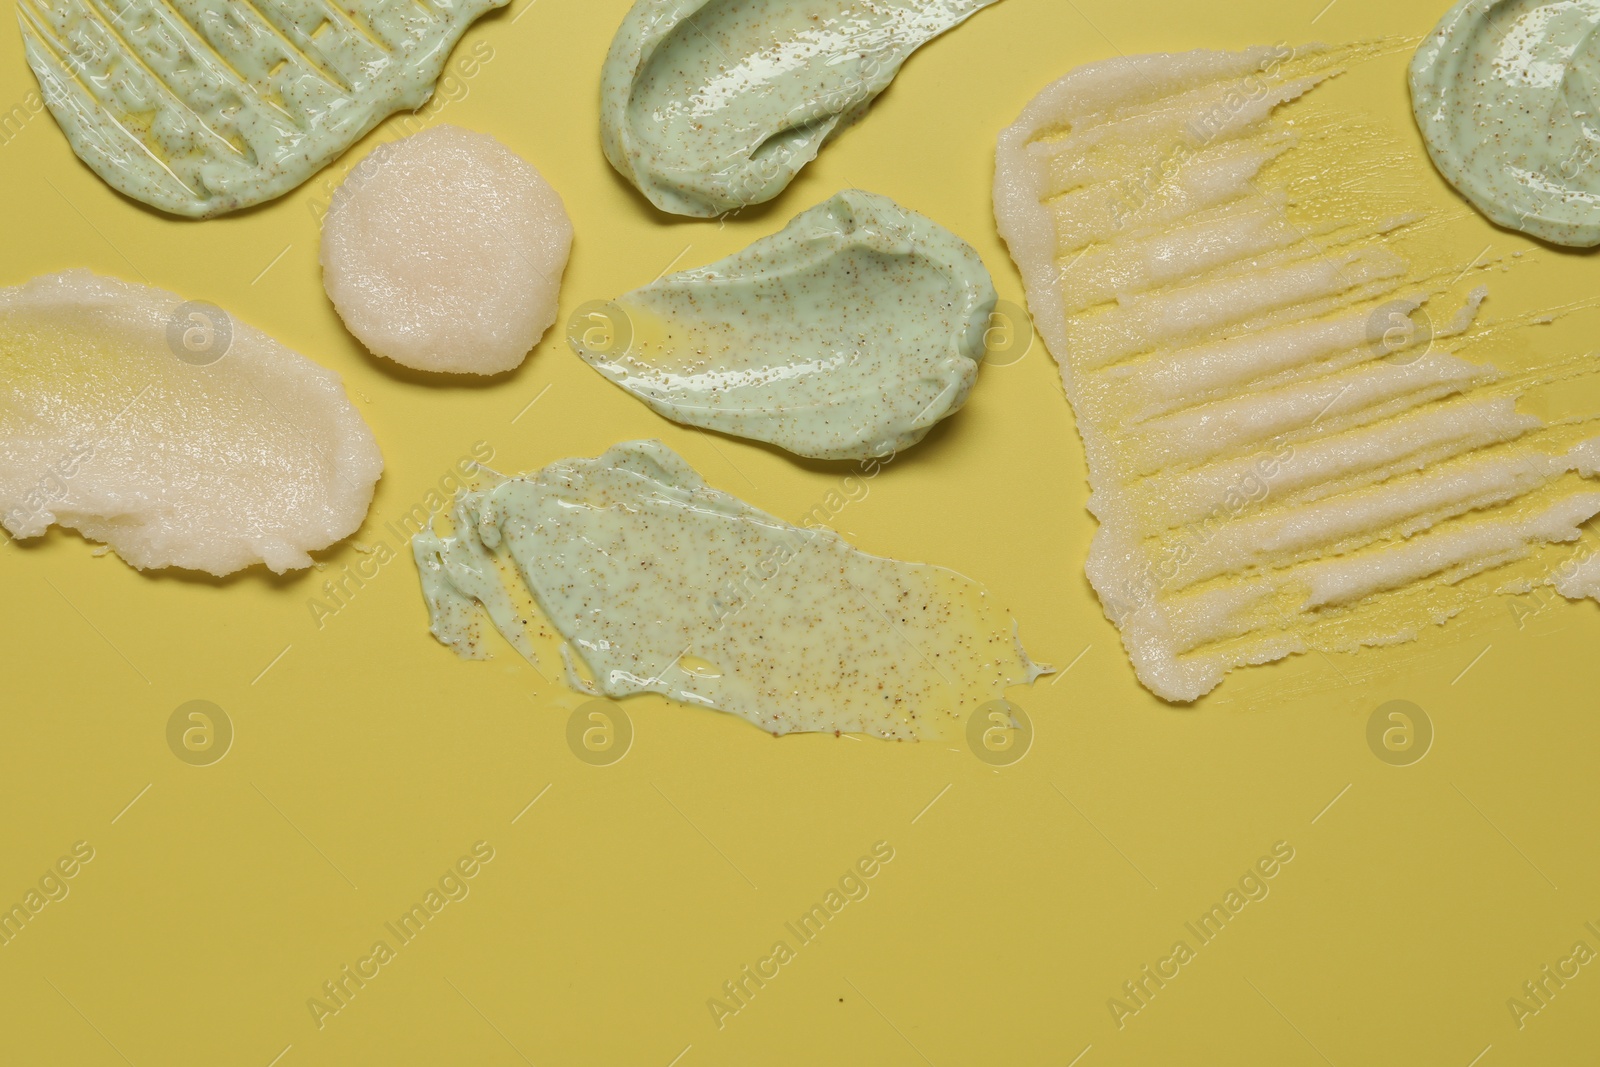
[
  {"x": 846, "y": 336},
  {"x": 661, "y": 584},
  {"x": 200, "y": 107},
  {"x": 712, "y": 105},
  {"x": 1280, "y": 459},
  {"x": 1507, "y": 95}
]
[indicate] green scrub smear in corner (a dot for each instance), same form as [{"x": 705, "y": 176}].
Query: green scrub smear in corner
[
  {"x": 847, "y": 335},
  {"x": 713, "y": 105},
  {"x": 661, "y": 584},
  {"x": 1507, "y": 95},
  {"x": 200, "y": 107}
]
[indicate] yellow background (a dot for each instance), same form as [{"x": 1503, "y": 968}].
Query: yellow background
[{"x": 367, "y": 758}]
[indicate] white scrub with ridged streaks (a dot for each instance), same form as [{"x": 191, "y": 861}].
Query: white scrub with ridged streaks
[
  {"x": 444, "y": 252},
  {"x": 1286, "y": 450},
  {"x": 171, "y": 431}
]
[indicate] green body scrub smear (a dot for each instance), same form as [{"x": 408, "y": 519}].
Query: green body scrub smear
[
  {"x": 659, "y": 583},
  {"x": 848, "y": 335},
  {"x": 1505, "y": 93},
  {"x": 709, "y": 106}
]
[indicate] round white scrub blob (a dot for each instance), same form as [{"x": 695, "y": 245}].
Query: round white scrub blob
[{"x": 444, "y": 252}]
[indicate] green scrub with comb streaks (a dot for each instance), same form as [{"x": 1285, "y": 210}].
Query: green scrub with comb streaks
[{"x": 200, "y": 107}]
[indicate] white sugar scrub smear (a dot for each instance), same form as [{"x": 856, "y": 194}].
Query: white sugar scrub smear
[
  {"x": 1262, "y": 341},
  {"x": 171, "y": 431},
  {"x": 444, "y": 252}
]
